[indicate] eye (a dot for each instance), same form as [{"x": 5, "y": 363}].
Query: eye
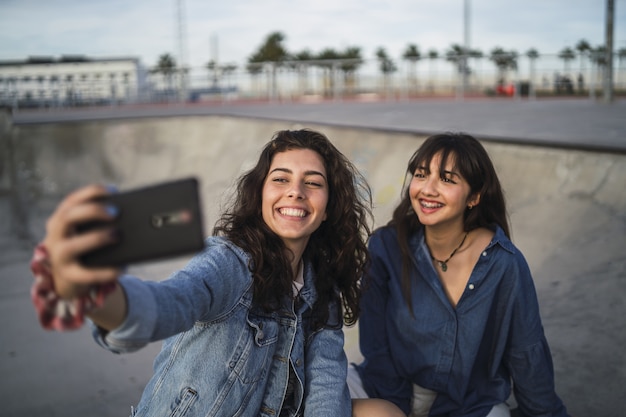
[
  {"x": 448, "y": 179},
  {"x": 279, "y": 180},
  {"x": 313, "y": 183},
  {"x": 419, "y": 174}
]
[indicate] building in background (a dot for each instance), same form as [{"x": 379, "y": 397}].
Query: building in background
[{"x": 71, "y": 80}]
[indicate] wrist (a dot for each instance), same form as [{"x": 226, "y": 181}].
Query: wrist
[{"x": 54, "y": 312}]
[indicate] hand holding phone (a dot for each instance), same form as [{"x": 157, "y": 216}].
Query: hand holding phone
[{"x": 155, "y": 222}]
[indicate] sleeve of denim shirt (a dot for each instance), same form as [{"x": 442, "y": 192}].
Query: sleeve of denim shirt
[
  {"x": 380, "y": 379},
  {"x": 529, "y": 357},
  {"x": 210, "y": 284},
  {"x": 326, "y": 371}
]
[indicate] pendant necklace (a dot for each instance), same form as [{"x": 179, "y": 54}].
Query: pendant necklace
[{"x": 444, "y": 264}]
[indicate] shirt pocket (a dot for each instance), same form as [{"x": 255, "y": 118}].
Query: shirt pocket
[{"x": 250, "y": 360}]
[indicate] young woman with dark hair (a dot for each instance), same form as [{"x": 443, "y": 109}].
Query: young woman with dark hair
[
  {"x": 450, "y": 320},
  {"x": 252, "y": 326}
]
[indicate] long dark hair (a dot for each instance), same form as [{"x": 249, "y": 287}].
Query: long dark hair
[
  {"x": 474, "y": 164},
  {"x": 337, "y": 249}
]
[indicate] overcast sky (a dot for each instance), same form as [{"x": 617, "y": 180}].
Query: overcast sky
[{"x": 149, "y": 28}]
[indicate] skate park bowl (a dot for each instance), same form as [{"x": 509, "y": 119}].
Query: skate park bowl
[{"x": 567, "y": 209}]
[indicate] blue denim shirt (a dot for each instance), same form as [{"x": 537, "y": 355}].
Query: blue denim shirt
[
  {"x": 467, "y": 354},
  {"x": 223, "y": 357}
]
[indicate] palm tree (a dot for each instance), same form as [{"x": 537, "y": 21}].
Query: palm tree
[
  {"x": 352, "y": 60},
  {"x": 459, "y": 56},
  {"x": 271, "y": 51},
  {"x": 166, "y": 66},
  {"x": 217, "y": 71},
  {"x": 433, "y": 55},
  {"x": 567, "y": 54},
  {"x": 532, "y": 55},
  {"x": 477, "y": 55},
  {"x": 597, "y": 56},
  {"x": 386, "y": 65},
  {"x": 327, "y": 60},
  {"x": 301, "y": 65},
  {"x": 583, "y": 49},
  {"x": 564, "y": 82},
  {"x": 254, "y": 69},
  {"x": 412, "y": 55},
  {"x": 456, "y": 55},
  {"x": 227, "y": 70},
  {"x": 504, "y": 61},
  {"x": 213, "y": 75}
]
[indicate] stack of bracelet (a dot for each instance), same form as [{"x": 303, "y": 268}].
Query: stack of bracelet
[{"x": 55, "y": 313}]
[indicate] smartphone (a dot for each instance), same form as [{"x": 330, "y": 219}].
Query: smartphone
[{"x": 154, "y": 222}]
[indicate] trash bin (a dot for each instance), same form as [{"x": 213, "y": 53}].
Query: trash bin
[{"x": 524, "y": 88}]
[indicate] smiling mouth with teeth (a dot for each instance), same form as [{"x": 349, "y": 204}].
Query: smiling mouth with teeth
[
  {"x": 426, "y": 204},
  {"x": 292, "y": 212}
]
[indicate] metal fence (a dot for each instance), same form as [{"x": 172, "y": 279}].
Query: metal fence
[{"x": 324, "y": 80}]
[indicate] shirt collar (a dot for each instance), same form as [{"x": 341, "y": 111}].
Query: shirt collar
[{"x": 500, "y": 239}]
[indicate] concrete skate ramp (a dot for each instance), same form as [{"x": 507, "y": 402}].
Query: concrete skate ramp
[{"x": 567, "y": 208}]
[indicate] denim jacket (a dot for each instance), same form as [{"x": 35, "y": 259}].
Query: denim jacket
[
  {"x": 469, "y": 354},
  {"x": 223, "y": 357}
]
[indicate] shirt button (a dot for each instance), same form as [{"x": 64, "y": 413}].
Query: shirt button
[
  {"x": 298, "y": 362},
  {"x": 485, "y": 253},
  {"x": 471, "y": 286}
]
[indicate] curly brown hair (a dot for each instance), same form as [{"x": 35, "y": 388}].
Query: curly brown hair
[{"x": 337, "y": 249}]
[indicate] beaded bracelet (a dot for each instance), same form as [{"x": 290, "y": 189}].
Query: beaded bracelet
[{"x": 54, "y": 312}]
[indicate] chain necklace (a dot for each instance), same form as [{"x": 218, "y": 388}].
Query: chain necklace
[{"x": 444, "y": 264}]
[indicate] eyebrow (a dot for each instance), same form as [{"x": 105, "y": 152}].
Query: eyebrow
[
  {"x": 307, "y": 173},
  {"x": 456, "y": 174}
]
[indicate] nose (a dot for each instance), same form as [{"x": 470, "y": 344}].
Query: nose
[
  {"x": 430, "y": 185},
  {"x": 296, "y": 191}
]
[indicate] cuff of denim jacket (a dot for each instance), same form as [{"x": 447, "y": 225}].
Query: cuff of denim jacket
[{"x": 136, "y": 330}]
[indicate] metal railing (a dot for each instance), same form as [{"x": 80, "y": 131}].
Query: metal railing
[{"x": 324, "y": 80}]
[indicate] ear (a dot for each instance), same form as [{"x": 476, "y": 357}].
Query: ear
[{"x": 473, "y": 201}]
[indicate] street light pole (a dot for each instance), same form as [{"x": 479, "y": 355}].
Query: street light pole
[
  {"x": 466, "y": 47},
  {"x": 182, "y": 77},
  {"x": 608, "y": 68}
]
